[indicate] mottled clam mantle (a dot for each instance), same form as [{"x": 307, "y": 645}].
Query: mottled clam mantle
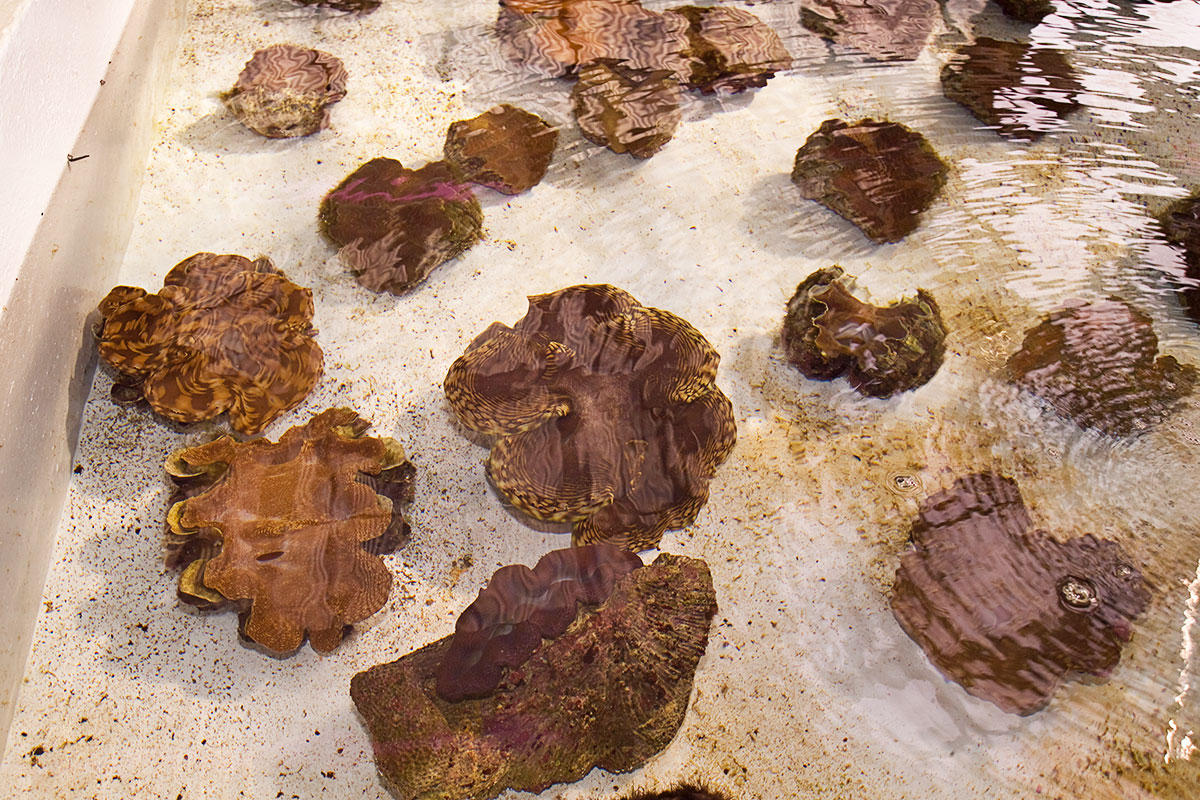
[
  {"x": 627, "y": 109},
  {"x": 1008, "y": 612},
  {"x": 1022, "y": 91},
  {"x": 605, "y": 414},
  {"x": 519, "y": 607},
  {"x": 557, "y": 39},
  {"x": 355, "y": 6},
  {"x": 729, "y": 49},
  {"x": 394, "y": 225},
  {"x": 611, "y": 692},
  {"x": 286, "y": 90},
  {"x": 1095, "y": 364},
  {"x": 505, "y": 148},
  {"x": 882, "y": 350},
  {"x": 883, "y": 29},
  {"x": 224, "y": 334},
  {"x": 878, "y": 175},
  {"x": 289, "y": 533}
]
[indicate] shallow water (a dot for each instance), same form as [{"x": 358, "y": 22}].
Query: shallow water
[{"x": 809, "y": 686}]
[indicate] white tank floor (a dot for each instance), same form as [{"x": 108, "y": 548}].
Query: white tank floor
[{"x": 809, "y": 688}]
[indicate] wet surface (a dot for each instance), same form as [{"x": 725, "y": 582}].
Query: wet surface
[{"x": 809, "y": 687}]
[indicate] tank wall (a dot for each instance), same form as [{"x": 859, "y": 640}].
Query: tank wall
[{"x": 64, "y": 239}]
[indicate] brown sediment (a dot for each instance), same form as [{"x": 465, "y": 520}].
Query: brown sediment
[
  {"x": 605, "y": 414},
  {"x": 519, "y": 607},
  {"x": 395, "y": 225},
  {"x": 285, "y": 91},
  {"x": 882, "y": 350},
  {"x": 610, "y": 692},
  {"x": 1005, "y": 611},
  {"x": 878, "y": 175},
  {"x": 506, "y": 148},
  {"x": 289, "y": 533},
  {"x": 224, "y": 334},
  {"x": 1096, "y": 364}
]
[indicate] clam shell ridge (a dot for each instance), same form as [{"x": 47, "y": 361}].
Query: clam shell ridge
[
  {"x": 282, "y": 530},
  {"x": 223, "y": 335},
  {"x": 605, "y": 414}
]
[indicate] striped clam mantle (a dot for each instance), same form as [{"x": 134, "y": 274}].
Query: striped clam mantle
[{"x": 224, "y": 334}]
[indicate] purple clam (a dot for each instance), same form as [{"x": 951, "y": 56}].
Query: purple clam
[{"x": 1005, "y": 611}]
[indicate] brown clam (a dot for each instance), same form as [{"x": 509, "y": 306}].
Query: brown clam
[
  {"x": 729, "y": 49},
  {"x": 882, "y": 350},
  {"x": 1008, "y": 612},
  {"x": 878, "y": 175},
  {"x": 285, "y": 91},
  {"x": 1033, "y": 11},
  {"x": 1023, "y": 92},
  {"x": 604, "y": 413},
  {"x": 394, "y": 225},
  {"x": 685, "y": 791},
  {"x": 1181, "y": 223},
  {"x": 353, "y": 6},
  {"x": 557, "y": 39},
  {"x": 506, "y": 148},
  {"x": 289, "y": 532},
  {"x": 1096, "y": 364},
  {"x": 225, "y": 334},
  {"x": 882, "y": 29},
  {"x": 626, "y": 109}
]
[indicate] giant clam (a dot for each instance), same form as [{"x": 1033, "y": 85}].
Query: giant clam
[
  {"x": 611, "y": 691},
  {"x": 289, "y": 533},
  {"x": 632, "y": 62},
  {"x": 882, "y": 29},
  {"x": 1096, "y": 364},
  {"x": 1021, "y": 91},
  {"x": 519, "y": 607},
  {"x": 285, "y": 91},
  {"x": 1181, "y": 223},
  {"x": 604, "y": 413},
  {"x": 505, "y": 148},
  {"x": 224, "y": 334},
  {"x": 882, "y": 350},
  {"x": 878, "y": 175},
  {"x": 394, "y": 225},
  {"x": 1005, "y": 611}
]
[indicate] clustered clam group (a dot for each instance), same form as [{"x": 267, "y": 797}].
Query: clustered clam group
[{"x": 605, "y": 414}]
